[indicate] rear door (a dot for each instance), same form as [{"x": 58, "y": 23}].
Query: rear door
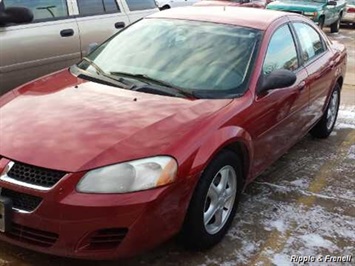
[
  {"x": 49, "y": 43},
  {"x": 137, "y": 9},
  {"x": 318, "y": 61},
  {"x": 98, "y": 20}
]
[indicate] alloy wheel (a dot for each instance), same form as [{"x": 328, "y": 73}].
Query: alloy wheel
[
  {"x": 332, "y": 109},
  {"x": 220, "y": 199}
]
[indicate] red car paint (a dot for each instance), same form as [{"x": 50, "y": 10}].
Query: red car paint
[
  {"x": 65, "y": 123},
  {"x": 252, "y": 3}
]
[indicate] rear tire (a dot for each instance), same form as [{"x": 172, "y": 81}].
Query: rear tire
[
  {"x": 214, "y": 202},
  {"x": 325, "y": 126},
  {"x": 336, "y": 25}
]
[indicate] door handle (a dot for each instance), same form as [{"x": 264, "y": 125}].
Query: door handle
[
  {"x": 332, "y": 64},
  {"x": 120, "y": 25},
  {"x": 67, "y": 33},
  {"x": 301, "y": 86}
]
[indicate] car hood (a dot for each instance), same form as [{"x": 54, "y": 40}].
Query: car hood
[
  {"x": 304, "y": 6},
  {"x": 64, "y": 123}
]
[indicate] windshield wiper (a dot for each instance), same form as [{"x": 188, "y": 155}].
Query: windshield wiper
[
  {"x": 149, "y": 80},
  {"x": 125, "y": 84},
  {"x": 97, "y": 68}
]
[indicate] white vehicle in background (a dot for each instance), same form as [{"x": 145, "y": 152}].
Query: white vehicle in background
[
  {"x": 349, "y": 16},
  {"x": 166, "y": 4},
  {"x": 59, "y": 33}
]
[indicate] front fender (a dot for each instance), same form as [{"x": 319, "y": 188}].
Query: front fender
[{"x": 221, "y": 139}]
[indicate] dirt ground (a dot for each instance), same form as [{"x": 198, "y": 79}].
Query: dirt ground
[{"x": 303, "y": 205}]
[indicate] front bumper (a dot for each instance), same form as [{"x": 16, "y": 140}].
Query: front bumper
[{"x": 96, "y": 226}]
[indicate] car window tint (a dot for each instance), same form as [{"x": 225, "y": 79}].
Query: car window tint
[
  {"x": 97, "y": 7},
  {"x": 42, "y": 9},
  {"x": 311, "y": 42},
  {"x": 281, "y": 53},
  {"x": 110, "y": 6},
  {"x": 140, "y": 4}
]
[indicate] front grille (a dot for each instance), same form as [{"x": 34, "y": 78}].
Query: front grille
[
  {"x": 35, "y": 175},
  {"x": 21, "y": 201},
  {"x": 32, "y": 236},
  {"x": 297, "y": 12},
  {"x": 107, "y": 238}
]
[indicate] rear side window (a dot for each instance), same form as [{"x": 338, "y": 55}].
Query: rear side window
[
  {"x": 311, "y": 42},
  {"x": 281, "y": 53},
  {"x": 97, "y": 7},
  {"x": 42, "y": 9},
  {"x": 134, "y": 5}
]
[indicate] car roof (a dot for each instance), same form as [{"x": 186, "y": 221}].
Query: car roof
[{"x": 241, "y": 16}]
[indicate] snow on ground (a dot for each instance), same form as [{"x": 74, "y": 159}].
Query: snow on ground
[{"x": 346, "y": 118}]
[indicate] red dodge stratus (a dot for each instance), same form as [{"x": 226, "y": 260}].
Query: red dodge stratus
[{"x": 159, "y": 130}]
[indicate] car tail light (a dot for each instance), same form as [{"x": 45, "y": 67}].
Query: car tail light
[{"x": 351, "y": 10}]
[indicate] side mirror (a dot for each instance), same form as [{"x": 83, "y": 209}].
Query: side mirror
[
  {"x": 331, "y": 3},
  {"x": 280, "y": 78},
  {"x": 16, "y": 15},
  {"x": 92, "y": 47}
]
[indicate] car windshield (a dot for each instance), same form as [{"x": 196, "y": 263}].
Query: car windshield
[{"x": 203, "y": 58}]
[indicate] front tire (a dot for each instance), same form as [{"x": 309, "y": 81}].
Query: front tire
[
  {"x": 321, "y": 23},
  {"x": 325, "y": 126},
  {"x": 214, "y": 202}
]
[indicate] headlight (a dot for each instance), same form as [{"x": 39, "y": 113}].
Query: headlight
[
  {"x": 130, "y": 176},
  {"x": 310, "y": 14}
]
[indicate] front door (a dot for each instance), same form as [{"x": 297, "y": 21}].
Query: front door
[
  {"x": 49, "y": 43},
  {"x": 278, "y": 115},
  {"x": 98, "y": 20}
]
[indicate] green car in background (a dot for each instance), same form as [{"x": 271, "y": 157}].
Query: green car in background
[{"x": 322, "y": 12}]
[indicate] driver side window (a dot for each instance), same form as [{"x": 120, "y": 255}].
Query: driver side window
[
  {"x": 281, "y": 53},
  {"x": 42, "y": 9}
]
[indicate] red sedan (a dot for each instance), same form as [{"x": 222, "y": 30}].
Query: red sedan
[{"x": 159, "y": 130}]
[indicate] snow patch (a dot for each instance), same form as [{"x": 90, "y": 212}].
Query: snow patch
[
  {"x": 345, "y": 126},
  {"x": 351, "y": 153},
  {"x": 282, "y": 260},
  {"x": 346, "y": 114},
  {"x": 314, "y": 240},
  {"x": 279, "y": 225},
  {"x": 301, "y": 183}
]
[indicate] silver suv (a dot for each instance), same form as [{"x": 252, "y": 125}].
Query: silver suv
[{"x": 60, "y": 33}]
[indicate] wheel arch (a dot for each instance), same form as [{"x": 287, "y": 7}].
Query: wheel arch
[
  {"x": 242, "y": 151},
  {"x": 231, "y": 138},
  {"x": 340, "y": 81},
  {"x": 165, "y": 7}
]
